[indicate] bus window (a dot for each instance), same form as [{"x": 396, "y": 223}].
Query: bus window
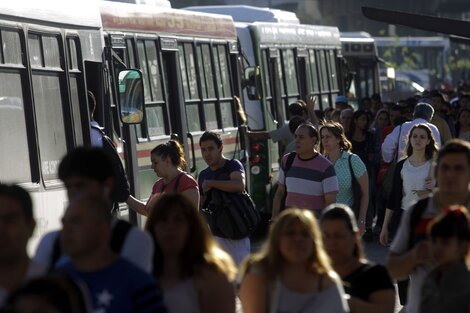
[
  {"x": 15, "y": 164},
  {"x": 130, "y": 53},
  {"x": 267, "y": 77},
  {"x": 189, "y": 80},
  {"x": 332, "y": 70},
  {"x": 225, "y": 86},
  {"x": 74, "y": 78},
  {"x": 207, "y": 73},
  {"x": 290, "y": 76},
  {"x": 44, "y": 52},
  {"x": 322, "y": 69},
  {"x": 313, "y": 72},
  {"x": 210, "y": 116},
  {"x": 154, "y": 101}
]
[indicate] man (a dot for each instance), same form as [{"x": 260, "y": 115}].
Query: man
[
  {"x": 341, "y": 103},
  {"x": 114, "y": 284},
  {"x": 99, "y": 139},
  {"x": 423, "y": 113},
  {"x": 16, "y": 228},
  {"x": 310, "y": 179},
  {"x": 226, "y": 175},
  {"x": 437, "y": 101},
  {"x": 409, "y": 253},
  {"x": 345, "y": 119},
  {"x": 90, "y": 171}
]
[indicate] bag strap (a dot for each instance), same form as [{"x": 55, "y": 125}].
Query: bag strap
[
  {"x": 118, "y": 235},
  {"x": 288, "y": 164},
  {"x": 351, "y": 171},
  {"x": 56, "y": 253},
  {"x": 395, "y": 158}
]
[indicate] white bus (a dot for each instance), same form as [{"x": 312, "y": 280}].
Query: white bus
[
  {"x": 294, "y": 60},
  {"x": 52, "y": 52}
]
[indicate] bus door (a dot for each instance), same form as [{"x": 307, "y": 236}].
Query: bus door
[
  {"x": 174, "y": 95},
  {"x": 276, "y": 105},
  {"x": 301, "y": 56}
]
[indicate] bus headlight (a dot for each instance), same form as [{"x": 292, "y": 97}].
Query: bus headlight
[{"x": 255, "y": 170}]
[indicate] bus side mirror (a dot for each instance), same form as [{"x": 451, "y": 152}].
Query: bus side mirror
[
  {"x": 252, "y": 82},
  {"x": 131, "y": 96}
]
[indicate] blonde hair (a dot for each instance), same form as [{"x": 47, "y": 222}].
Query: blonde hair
[{"x": 270, "y": 260}]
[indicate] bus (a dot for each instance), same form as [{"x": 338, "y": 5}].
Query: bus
[
  {"x": 294, "y": 60},
  {"x": 362, "y": 63},
  {"x": 189, "y": 61},
  {"x": 51, "y": 54},
  {"x": 421, "y": 59},
  {"x": 156, "y": 73}
]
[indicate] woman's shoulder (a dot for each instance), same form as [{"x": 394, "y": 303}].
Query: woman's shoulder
[
  {"x": 327, "y": 280},
  {"x": 206, "y": 276},
  {"x": 186, "y": 177}
]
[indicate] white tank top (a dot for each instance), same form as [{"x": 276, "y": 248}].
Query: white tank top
[
  {"x": 182, "y": 298},
  {"x": 413, "y": 179}
]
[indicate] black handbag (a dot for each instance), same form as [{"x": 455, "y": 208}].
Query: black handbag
[
  {"x": 231, "y": 215},
  {"x": 356, "y": 189}
]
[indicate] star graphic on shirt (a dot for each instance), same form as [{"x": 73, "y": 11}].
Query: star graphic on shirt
[{"x": 104, "y": 298}]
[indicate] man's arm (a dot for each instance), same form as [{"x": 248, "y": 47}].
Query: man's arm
[
  {"x": 390, "y": 145},
  {"x": 281, "y": 190},
  {"x": 330, "y": 198},
  {"x": 311, "y": 101},
  {"x": 401, "y": 265},
  {"x": 236, "y": 183}
]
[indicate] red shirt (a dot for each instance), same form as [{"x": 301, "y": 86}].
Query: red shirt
[{"x": 185, "y": 182}]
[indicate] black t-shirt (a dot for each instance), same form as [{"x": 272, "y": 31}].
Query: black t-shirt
[{"x": 367, "y": 279}]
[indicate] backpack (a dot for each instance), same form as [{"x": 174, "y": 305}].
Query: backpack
[
  {"x": 285, "y": 169},
  {"x": 118, "y": 236},
  {"x": 121, "y": 186}
]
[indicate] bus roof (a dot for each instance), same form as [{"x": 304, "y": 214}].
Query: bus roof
[
  {"x": 434, "y": 41},
  {"x": 250, "y": 14},
  {"x": 83, "y": 13},
  {"x": 297, "y": 34},
  {"x": 356, "y": 37},
  {"x": 139, "y": 17}
]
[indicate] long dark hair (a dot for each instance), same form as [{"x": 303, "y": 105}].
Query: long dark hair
[
  {"x": 357, "y": 115},
  {"x": 457, "y": 124},
  {"x": 200, "y": 247},
  {"x": 431, "y": 148}
]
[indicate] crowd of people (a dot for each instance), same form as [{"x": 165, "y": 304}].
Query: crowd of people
[{"x": 390, "y": 172}]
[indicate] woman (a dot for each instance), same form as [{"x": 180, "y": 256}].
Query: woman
[
  {"x": 462, "y": 126},
  {"x": 337, "y": 148},
  {"x": 55, "y": 293},
  {"x": 168, "y": 163},
  {"x": 195, "y": 274},
  {"x": 291, "y": 273},
  {"x": 412, "y": 178},
  {"x": 369, "y": 286},
  {"x": 362, "y": 140}
]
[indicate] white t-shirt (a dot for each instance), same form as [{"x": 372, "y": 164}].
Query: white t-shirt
[{"x": 413, "y": 178}]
